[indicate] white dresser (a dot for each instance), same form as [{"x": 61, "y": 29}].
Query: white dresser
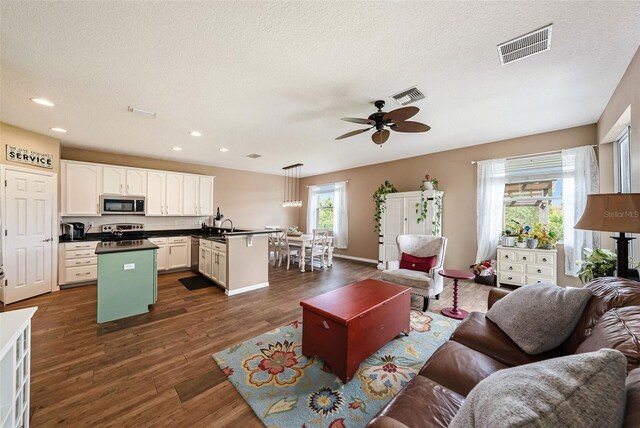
[{"x": 522, "y": 266}]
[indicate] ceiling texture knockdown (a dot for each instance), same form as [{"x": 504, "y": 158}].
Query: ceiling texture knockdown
[{"x": 274, "y": 78}]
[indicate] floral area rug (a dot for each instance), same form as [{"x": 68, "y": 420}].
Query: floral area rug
[{"x": 286, "y": 389}]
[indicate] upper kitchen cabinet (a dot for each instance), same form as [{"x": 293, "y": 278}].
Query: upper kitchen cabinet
[
  {"x": 80, "y": 189},
  {"x": 124, "y": 181},
  {"x": 156, "y": 193},
  {"x": 174, "y": 194},
  {"x": 136, "y": 182},
  {"x": 205, "y": 195},
  {"x": 197, "y": 195}
]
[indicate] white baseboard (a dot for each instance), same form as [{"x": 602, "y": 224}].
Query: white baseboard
[
  {"x": 245, "y": 289},
  {"x": 359, "y": 259}
]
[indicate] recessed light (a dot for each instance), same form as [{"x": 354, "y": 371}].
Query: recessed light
[
  {"x": 58, "y": 130},
  {"x": 224, "y": 149},
  {"x": 176, "y": 149},
  {"x": 195, "y": 134},
  {"x": 42, "y": 102}
]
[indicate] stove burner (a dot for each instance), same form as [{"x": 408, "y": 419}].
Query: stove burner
[{"x": 123, "y": 243}]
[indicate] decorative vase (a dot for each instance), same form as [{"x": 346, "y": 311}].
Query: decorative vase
[
  {"x": 508, "y": 241},
  {"x": 521, "y": 244},
  {"x": 428, "y": 185},
  {"x": 217, "y": 223},
  {"x": 532, "y": 243}
]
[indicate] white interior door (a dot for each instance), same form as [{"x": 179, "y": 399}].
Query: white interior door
[
  {"x": 413, "y": 227},
  {"x": 29, "y": 204},
  {"x": 393, "y": 221}
]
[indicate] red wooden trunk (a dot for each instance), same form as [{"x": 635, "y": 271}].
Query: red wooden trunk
[{"x": 345, "y": 326}]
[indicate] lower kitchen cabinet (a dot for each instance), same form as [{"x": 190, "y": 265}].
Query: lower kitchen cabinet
[
  {"x": 173, "y": 252},
  {"x": 77, "y": 262},
  {"x": 213, "y": 261}
]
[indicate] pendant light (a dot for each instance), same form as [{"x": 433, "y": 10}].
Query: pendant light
[{"x": 292, "y": 186}]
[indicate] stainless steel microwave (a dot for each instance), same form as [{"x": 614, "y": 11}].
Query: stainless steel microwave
[{"x": 118, "y": 204}]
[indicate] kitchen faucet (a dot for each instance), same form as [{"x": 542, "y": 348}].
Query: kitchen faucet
[{"x": 227, "y": 220}]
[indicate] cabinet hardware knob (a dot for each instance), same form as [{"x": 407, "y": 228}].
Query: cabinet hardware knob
[
  {"x": 544, "y": 259},
  {"x": 524, "y": 258},
  {"x": 539, "y": 271},
  {"x": 510, "y": 277},
  {"x": 506, "y": 256},
  {"x": 510, "y": 267}
]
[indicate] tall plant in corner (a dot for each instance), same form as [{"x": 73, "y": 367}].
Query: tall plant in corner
[{"x": 380, "y": 197}]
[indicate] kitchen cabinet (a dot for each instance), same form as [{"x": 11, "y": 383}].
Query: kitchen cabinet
[
  {"x": 166, "y": 193},
  {"x": 197, "y": 195},
  {"x": 179, "y": 249},
  {"x": 81, "y": 188},
  {"x": 156, "y": 193},
  {"x": 77, "y": 262},
  {"x": 400, "y": 217},
  {"x": 173, "y": 252},
  {"x": 213, "y": 261},
  {"x": 136, "y": 182}
]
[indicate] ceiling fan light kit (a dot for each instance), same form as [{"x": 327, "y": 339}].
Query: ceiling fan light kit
[{"x": 395, "y": 120}]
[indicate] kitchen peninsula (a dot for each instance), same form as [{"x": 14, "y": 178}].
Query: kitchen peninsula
[
  {"x": 127, "y": 278},
  {"x": 237, "y": 261}
]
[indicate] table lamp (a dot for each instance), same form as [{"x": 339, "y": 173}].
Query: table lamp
[{"x": 614, "y": 212}]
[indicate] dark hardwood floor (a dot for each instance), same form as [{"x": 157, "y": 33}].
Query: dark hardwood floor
[{"x": 156, "y": 368}]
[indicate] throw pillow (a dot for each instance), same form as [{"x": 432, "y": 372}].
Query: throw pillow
[
  {"x": 424, "y": 264},
  {"x": 539, "y": 317},
  {"x": 582, "y": 390}
]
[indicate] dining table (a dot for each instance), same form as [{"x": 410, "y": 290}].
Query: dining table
[{"x": 305, "y": 241}]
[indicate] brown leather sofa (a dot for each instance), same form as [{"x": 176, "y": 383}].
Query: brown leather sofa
[{"x": 479, "y": 348}]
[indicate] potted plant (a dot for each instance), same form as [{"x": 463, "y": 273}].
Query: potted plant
[
  {"x": 596, "y": 264},
  {"x": 218, "y": 218},
  {"x": 380, "y": 197},
  {"x": 521, "y": 233},
  {"x": 507, "y": 239},
  {"x": 422, "y": 207},
  {"x": 545, "y": 239}
]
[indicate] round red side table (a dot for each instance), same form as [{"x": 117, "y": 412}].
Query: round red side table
[{"x": 455, "y": 312}]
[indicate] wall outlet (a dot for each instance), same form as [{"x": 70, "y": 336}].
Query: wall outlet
[{"x": 129, "y": 266}]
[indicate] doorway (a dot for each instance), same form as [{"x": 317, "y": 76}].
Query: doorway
[{"x": 29, "y": 235}]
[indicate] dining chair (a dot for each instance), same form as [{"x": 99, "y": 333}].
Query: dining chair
[
  {"x": 318, "y": 247},
  {"x": 274, "y": 246},
  {"x": 287, "y": 250}
]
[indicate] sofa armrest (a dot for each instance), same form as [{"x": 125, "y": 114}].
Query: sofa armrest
[
  {"x": 393, "y": 265},
  {"x": 385, "y": 422},
  {"x": 495, "y": 294},
  {"x": 434, "y": 270}
]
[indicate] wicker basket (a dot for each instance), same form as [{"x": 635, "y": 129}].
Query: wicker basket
[{"x": 485, "y": 280}]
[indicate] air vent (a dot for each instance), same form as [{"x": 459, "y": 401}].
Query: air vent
[
  {"x": 408, "y": 96},
  {"x": 530, "y": 44},
  {"x": 254, "y": 156}
]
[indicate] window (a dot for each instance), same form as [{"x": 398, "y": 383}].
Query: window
[
  {"x": 533, "y": 192},
  {"x": 622, "y": 166},
  {"x": 324, "y": 217}
]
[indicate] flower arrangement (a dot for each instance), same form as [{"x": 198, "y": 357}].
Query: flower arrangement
[
  {"x": 518, "y": 230},
  {"x": 294, "y": 231},
  {"x": 546, "y": 238}
]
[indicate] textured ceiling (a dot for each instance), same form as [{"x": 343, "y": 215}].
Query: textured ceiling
[{"x": 275, "y": 77}]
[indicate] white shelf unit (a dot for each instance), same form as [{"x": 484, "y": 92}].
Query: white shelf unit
[{"x": 15, "y": 367}]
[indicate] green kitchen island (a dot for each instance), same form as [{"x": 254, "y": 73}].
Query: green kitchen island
[{"x": 127, "y": 278}]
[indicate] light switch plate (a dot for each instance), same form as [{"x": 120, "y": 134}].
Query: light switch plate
[{"x": 129, "y": 266}]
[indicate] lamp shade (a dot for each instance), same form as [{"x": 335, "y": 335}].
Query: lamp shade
[{"x": 611, "y": 212}]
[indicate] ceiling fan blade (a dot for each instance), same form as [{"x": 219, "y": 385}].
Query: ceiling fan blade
[
  {"x": 401, "y": 114},
  {"x": 352, "y": 133},
  {"x": 409, "y": 126},
  {"x": 358, "y": 120},
  {"x": 380, "y": 137}
]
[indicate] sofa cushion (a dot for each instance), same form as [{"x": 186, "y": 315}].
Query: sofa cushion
[
  {"x": 539, "y": 317},
  {"x": 632, "y": 411},
  {"x": 421, "y": 403},
  {"x": 617, "y": 329},
  {"x": 480, "y": 333},
  {"x": 424, "y": 264},
  {"x": 584, "y": 390},
  {"x": 608, "y": 293},
  {"x": 459, "y": 367},
  {"x": 410, "y": 278}
]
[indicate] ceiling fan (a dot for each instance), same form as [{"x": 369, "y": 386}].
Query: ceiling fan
[{"x": 396, "y": 120}]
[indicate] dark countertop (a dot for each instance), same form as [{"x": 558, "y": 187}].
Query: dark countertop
[
  {"x": 198, "y": 233},
  {"x": 123, "y": 246}
]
